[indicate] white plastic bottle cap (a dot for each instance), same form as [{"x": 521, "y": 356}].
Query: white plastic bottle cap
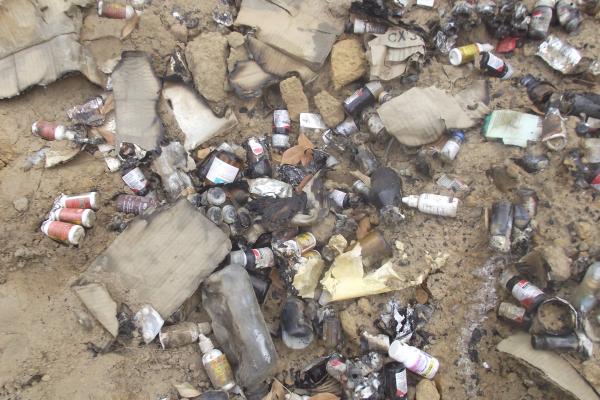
[
  {"x": 206, "y": 344},
  {"x": 485, "y": 47},
  {"x": 411, "y": 201},
  {"x": 129, "y": 12},
  {"x": 455, "y": 56}
]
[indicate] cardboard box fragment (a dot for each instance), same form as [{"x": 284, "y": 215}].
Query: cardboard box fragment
[
  {"x": 277, "y": 63},
  {"x": 100, "y": 304},
  {"x": 38, "y": 48},
  {"x": 554, "y": 368},
  {"x": 302, "y": 29},
  {"x": 389, "y": 54},
  {"x": 421, "y": 115},
  {"x": 513, "y": 127},
  {"x": 136, "y": 91},
  {"x": 160, "y": 259}
]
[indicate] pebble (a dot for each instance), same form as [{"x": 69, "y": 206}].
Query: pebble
[
  {"x": 294, "y": 97},
  {"x": 21, "y": 204},
  {"x": 426, "y": 390},
  {"x": 330, "y": 108}
]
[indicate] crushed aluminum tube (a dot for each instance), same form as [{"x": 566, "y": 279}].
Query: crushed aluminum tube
[
  {"x": 39, "y": 47},
  {"x": 100, "y": 304},
  {"x": 346, "y": 278},
  {"x": 559, "y": 55},
  {"x": 421, "y": 115},
  {"x": 248, "y": 79},
  {"x": 136, "y": 91},
  {"x": 157, "y": 260},
  {"x": 553, "y": 367},
  {"x": 268, "y": 187},
  {"x": 194, "y": 117},
  {"x": 513, "y": 127},
  {"x": 149, "y": 322}
]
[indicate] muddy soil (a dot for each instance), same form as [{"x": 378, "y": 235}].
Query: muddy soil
[{"x": 45, "y": 353}]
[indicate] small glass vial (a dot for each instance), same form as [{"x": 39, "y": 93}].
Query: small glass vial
[
  {"x": 396, "y": 384},
  {"x": 52, "y": 131},
  {"x": 516, "y": 315},
  {"x": 529, "y": 295},
  {"x": 216, "y": 365},
  {"x": 281, "y": 130},
  {"x": 568, "y": 15},
  {"x": 253, "y": 258},
  {"x": 363, "y": 26},
  {"x": 135, "y": 179},
  {"x": 541, "y": 17},
  {"x": 452, "y": 146},
  {"x": 415, "y": 360},
  {"x": 363, "y": 98},
  {"x": 495, "y": 66},
  {"x": 465, "y": 54},
  {"x": 501, "y": 223},
  {"x": 435, "y": 204}
]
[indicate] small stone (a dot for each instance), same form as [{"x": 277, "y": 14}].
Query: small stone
[
  {"x": 21, "y": 204},
  {"x": 591, "y": 372},
  {"x": 426, "y": 390},
  {"x": 179, "y": 32},
  {"x": 236, "y": 54},
  {"x": 46, "y": 378},
  {"x": 365, "y": 305},
  {"x": 347, "y": 62},
  {"x": 584, "y": 230},
  {"x": 207, "y": 59},
  {"x": 330, "y": 108},
  {"x": 421, "y": 296},
  {"x": 236, "y": 39},
  {"x": 294, "y": 97}
]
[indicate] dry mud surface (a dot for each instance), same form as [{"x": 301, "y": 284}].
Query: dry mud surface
[{"x": 44, "y": 352}]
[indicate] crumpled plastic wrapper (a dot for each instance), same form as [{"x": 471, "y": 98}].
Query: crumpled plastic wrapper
[
  {"x": 559, "y": 55},
  {"x": 149, "y": 322}
]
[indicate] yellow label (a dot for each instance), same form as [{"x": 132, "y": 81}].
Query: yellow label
[
  {"x": 219, "y": 371},
  {"x": 468, "y": 52}
]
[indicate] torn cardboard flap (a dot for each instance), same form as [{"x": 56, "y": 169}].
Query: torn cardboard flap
[
  {"x": 277, "y": 63},
  {"x": 421, "y": 115},
  {"x": 194, "y": 117},
  {"x": 248, "y": 79},
  {"x": 160, "y": 259},
  {"x": 136, "y": 91},
  {"x": 554, "y": 368},
  {"x": 390, "y": 53},
  {"x": 100, "y": 304},
  {"x": 303, "y": 29},
  {"x": 37, "y": 49}
]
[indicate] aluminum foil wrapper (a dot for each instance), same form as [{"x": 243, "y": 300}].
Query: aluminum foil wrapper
[{"x": 559, "y": 55}]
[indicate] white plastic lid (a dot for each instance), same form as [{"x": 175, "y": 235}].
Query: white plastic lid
[
  {"x": 206, "y": 344},
  {"x": 411, "y": 201},
  {"x": 455, "y": 56}
]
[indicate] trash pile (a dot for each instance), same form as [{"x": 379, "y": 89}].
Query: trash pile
[{"x": 308, "y": 210}]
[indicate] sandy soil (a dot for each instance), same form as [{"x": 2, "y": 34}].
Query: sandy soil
[{"x": 44, "y": 352}]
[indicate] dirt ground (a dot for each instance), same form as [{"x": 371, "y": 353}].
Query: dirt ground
[{"x": 44, "y": 352}]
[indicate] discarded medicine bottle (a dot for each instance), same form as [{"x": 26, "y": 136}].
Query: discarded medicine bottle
[
  {"x": 63, "y": 232},
  {"x": 528, "y": 200},
  {"x": 529, "y": 295},
  {"x": 541, "y": 17},
  {"x": 78, "y": 216},
  {"x": 396, "y": 384},
  {"x": 114, "y": 10},
  {"x": 219, "y": 167},
  {"x": 363, "y": 98},
  {"x": 253, "y": 258},
  {"x": 539, "y": 91},
  {"x": 416, "y": 360},
  {"x": 465, "y": 54},
  {"x": 135, "y": 179},
  {"x": 557, "y": 343},
  {"x": 501, "y": 223},
  {"x": 281, "y": 129},
  {"x": 134, "y": 204},
  {"x": 216, "y": 365},
  {"x": 363, "y": 26},
  {"x": 587, "y": 294},
  {"x": 331, "y": 329},
  {"x": 452, "y": 146},
  {"x": 435, "y": 204},
  {"x": 52, "y": 131},
  {"x": 568, "y": 15},
  {"x": 182, "y": 334},
  {"x": 516, "y": 315},
  {"x": 86, "y": 200},
  {"x": 257, "y": 157},
  {"x": 495, "y": 66}
]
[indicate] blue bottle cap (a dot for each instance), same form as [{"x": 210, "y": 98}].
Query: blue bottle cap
[{"x": 459, "y": 135}]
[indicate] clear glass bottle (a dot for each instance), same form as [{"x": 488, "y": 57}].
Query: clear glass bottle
[{"x": 587, "y": 294}]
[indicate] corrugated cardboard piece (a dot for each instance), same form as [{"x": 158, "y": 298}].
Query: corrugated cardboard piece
[
  {"x": 390, "y": 53},
  {"x": 303, "y": 29},
  {"x": 160, "y": 259},
  {"x": 136, "y": 90},
  {"x": 556, "y": 369},
  {"x": 38, "y": 48}
]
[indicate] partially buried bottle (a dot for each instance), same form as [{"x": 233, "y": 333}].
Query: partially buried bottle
[
  {"x": 416, "y": 360},
  {"x": 495, "y": 66},
  {"x": 281, "y": 129},
  {"x": 587, "y": 294},
  {"x": 219, "y": 167},
  {"x": 386, "y": 189},
  {"x": 529, "y": 295},
  {"x": 252, "y": 259},
  {"x": 216, "y": 365},
  {"x": 257, "y": 157},
  {"x": 539, "y": 91}
]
